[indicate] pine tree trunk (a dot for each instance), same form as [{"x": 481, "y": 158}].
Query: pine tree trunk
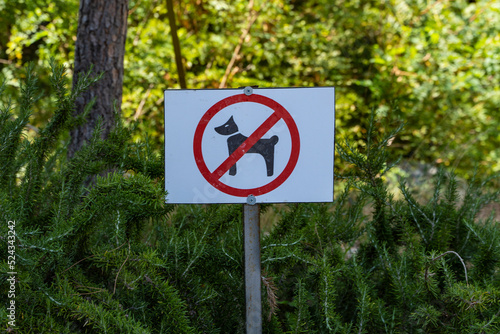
[{"x": 101, "y": 34}]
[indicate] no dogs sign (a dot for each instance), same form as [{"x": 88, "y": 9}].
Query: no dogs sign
[{"x": 239, "y": 145}]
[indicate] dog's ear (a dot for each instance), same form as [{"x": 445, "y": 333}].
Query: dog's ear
[
  {"x": 231, "y": 125},
  {"x": 227, "y": 128}
]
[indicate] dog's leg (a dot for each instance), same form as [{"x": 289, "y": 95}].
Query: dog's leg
[
  {"x": 269, "y": 155},
  {"x": 233, "y": 143},
  {"x": 269, "y": 159},
  {"x": 232, "y": 170}
]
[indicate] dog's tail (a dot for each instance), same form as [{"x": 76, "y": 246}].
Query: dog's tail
[{"x": 274, "y": 139}]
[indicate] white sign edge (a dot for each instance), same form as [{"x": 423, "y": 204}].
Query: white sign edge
[{"x": 243, "y": 200}]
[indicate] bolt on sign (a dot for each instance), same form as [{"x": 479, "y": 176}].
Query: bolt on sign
[{"x": 264, "y": 145}]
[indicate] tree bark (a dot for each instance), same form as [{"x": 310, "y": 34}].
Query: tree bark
[
  {"x": 101, "y": 35},
  {"x": 176, "y": 43}
]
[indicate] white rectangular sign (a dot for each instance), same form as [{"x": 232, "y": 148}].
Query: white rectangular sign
[{"x": 268, "y": 145}]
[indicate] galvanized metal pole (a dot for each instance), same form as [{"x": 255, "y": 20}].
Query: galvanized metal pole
[{"x": 251, "y": 236}]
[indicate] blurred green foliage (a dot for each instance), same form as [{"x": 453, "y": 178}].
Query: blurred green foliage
[
  {"x": 115, "y": 258},
  {"x": 433, "y": 64}
]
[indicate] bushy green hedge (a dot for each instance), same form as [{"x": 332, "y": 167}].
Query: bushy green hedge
[{"x": 113, "y": 258}]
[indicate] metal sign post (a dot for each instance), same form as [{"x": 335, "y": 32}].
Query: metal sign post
[{"x": 251, "y": 236}]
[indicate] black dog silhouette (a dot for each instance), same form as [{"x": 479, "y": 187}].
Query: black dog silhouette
[{"x": 264, "y": 147}]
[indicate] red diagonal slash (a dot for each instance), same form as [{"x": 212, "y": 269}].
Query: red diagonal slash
[{"x": 246, "y": 145}]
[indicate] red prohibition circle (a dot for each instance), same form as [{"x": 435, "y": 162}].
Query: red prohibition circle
[{"x": 279, "y": 113}]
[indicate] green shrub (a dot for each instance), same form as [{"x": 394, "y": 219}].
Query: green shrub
[{"x": 114, "y": 258}]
